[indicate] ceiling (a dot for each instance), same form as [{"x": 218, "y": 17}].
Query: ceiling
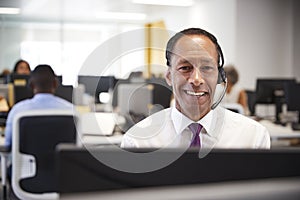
[{"x": 74, "y": 10}]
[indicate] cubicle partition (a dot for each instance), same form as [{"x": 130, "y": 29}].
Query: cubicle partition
[{"x": 80, "y": 171}]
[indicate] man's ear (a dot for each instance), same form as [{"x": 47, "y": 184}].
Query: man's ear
[
  {"x": 55, "y": 83},
  {"x": 31, "y": 85},
  {"x": 168, "y": 76}
]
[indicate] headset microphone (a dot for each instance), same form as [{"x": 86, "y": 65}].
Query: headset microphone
[
  {"x": 214, "y": 105},
  {"x": 222, "y": 82}
]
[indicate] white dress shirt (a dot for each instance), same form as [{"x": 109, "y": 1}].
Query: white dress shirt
[{"x": 221, "y": 129}]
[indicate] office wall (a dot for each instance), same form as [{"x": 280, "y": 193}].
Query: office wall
[
  {"x": 264, "y": 40},
  {"x": 10, "y": 38},
  {"x": 259, "y": 37},
  {"x": 219, "y": 18},
  {"x": 296, "y": 41}
]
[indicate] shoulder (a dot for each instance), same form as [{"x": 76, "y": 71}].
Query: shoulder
[
  {"x": 155, "y": 120},
  {"x": 148, "y": 132},
  {"x": 20, "y": 105},
  {"x": 62, "y": 101},
  {"x": 237, "y": 120},
  {"x": 153, "y": 124},
  {"x": 242, "y": 131},
  {"x": 236, "y": 117}
]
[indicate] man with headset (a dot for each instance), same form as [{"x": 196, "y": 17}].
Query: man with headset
[{"x": 195, "y": 72}]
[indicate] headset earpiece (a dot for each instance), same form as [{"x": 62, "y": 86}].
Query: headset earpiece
[{"x": 221, "y": 75}]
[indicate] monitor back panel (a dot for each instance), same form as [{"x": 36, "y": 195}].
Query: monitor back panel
[{"x": 80, "y": 171}]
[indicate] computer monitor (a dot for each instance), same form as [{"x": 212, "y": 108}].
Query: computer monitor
[
  {"x": 115, "y": 91},
  {"x": 21, "y": 93},
  {"x": 25, "y": 92},
  {"x": 79, "y": 171},
  {"x": 94, "y": 85},
  {"x": 90, "y": 83},
  {"x": 4, "y": 79},
  {"x": 293, "y": 97},
  {"x": 162, "y": 92},
  {"x": 135, "y": 98},
  {"x": 18, "y": 79},
  {"x": 65, "y": 92},
  {"x": 271, "y": 91},
  {"x": 105, "y": 84}
]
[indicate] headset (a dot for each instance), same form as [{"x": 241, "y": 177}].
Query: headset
[
  {"x": 221, "y": 76},
  {"x": 222, "y": 79}
]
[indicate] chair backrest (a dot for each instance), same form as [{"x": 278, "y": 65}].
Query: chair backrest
[{"x": 35, "y": 136}]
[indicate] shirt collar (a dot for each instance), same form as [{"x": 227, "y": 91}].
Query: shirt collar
[
  {"x": 42, "y": 95},
  {"x": 181, "y": 122}
]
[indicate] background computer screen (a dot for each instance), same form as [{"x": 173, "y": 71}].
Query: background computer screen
[
  {"x": 21, "y": 93},
  {"x": 162, "y": 92},
  {"x": 105, "y": 84},
  {"x": 94, "y": 85},
  {"x": 65, "y": 92},
  {"x": 272, "y": 91},
  {"x": 90, "y": 83},
  {"x": 293, "y": 97},
  {"x": 18, "y": 79},
  {"x": 268, "y": 89}
]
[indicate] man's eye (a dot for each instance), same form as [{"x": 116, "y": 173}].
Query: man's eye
[
  {"x": 185, "y": 68},
  {"x": 206, "y": 68}
]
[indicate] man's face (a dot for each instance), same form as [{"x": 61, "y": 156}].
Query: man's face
[{"x": 193, "y": 75}]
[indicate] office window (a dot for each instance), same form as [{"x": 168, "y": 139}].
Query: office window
[{"x": 67, "y": 49}]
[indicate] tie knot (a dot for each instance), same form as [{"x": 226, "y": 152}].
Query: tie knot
[{"x": 195, "y": 128}]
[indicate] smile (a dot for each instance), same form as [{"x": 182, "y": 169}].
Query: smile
[{"x": 192, "y": 93}]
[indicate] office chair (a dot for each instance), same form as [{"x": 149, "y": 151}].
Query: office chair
[{"x": 35, "y": 136}]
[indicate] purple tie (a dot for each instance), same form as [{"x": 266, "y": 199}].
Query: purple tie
[{"x": 195, "y": 128}]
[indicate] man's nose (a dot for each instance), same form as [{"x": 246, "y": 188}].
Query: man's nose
[{"x": 196, "y": 77}]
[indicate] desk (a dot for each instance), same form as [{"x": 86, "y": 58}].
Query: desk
[
  {"x": 93, "y": 140},
  {"x": 97, "y": 128},
  {"x": 280, "y": 132}
]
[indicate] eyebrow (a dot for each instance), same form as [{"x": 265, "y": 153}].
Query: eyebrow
[{"x": 202, "y": 60}]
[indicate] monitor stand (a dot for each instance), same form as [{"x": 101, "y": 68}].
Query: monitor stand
[{"x": 278, "y": 104}]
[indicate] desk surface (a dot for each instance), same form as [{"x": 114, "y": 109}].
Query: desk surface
[
  {"x": 93, "y": 140},
  {"x": 278, "y": 131}
]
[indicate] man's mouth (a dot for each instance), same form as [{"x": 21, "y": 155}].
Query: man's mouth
[{"x": 192, "y": 93}]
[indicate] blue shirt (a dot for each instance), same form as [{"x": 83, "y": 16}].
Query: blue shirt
[{"x": 39, "y": 101}]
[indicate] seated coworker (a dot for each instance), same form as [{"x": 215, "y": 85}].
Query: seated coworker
[
  {"x": 195, "y": 63},
  {"x": 235, "y": 93},
  {"x": 43, "y": 82},
  {"x": 22, "y": 67}
]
